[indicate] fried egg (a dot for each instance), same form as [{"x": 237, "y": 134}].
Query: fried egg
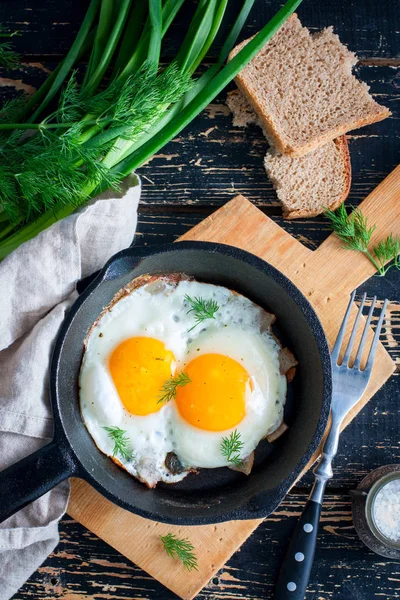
[{"x": 148, "y": 335}]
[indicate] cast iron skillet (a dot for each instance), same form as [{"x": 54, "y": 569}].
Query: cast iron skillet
[{"x": 213, "y": 495}]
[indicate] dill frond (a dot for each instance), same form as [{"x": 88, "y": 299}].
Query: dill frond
[
  {"x": 388, "y": 251},
  {"x": 8, "y": 58},
  {"x": 70, "y": 107},
  {"x": 231, "y": 447},
  {"x": 180, "y": 548},
  {"x": 170, "y": 387},
  {"x": 8, "y": 191},
  {"x": 9, "y": 112},
  {"x": 202, "y": 309},
  {"x": 122, "y": 445},
  {"x": 352, "y": 229},
  {"x": 362, "y": 232}
]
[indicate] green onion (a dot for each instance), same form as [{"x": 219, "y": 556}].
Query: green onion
[
  {"x": 70, "y": 59},
  {"x": 155, "y": 10},
  {"x": 109, "y": 49},
  {"x": 209, "y": 92}
]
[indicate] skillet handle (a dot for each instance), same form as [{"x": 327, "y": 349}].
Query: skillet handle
[{"x": 25, "y": 481}]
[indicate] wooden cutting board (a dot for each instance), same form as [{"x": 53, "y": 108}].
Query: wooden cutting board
[{"x": 326, "y": 277}]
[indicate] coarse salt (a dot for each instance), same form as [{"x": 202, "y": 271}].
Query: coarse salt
[{"x": 386, "y": 510}]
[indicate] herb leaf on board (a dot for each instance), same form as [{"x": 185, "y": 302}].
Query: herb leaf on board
[
  {"x": 180, "y": 548},
  {"x": 354, "y": 231}
]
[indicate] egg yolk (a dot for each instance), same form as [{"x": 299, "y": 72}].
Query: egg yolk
[
  {"x": 215, "y": 398},
  {"x": 139, "y": 367}
]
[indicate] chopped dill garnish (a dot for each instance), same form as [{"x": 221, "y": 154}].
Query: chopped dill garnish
[
  {"x": 122, "y": 446},
  {"x": 231, "y": 447},
  {"x": 202, "y": 309},
  {"x": 170, "y": 387},
  {"x": 181, "y": 549}
]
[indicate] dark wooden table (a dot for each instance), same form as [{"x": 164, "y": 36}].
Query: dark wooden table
[{"x": 203, "y": 168}]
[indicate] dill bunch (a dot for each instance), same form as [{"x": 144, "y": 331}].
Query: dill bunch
[
  {"x": 65, "y": 162},
  {"x": 83, "y": 132}
]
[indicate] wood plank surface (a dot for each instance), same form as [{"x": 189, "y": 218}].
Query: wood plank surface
[
  {"x": 82, "y": 568},
  {"x": 224, "y": 160},
  {"x": 367, "y": 26}
]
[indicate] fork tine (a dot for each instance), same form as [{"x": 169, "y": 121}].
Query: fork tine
[
  {"x": 375, "y": 341},
  {"x": 350, "y": 345},
  {"x": 360, "y": 350},
  {"x": 339, "y": 339}
]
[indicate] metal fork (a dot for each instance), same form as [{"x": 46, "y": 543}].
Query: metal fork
[{"x": 349, "y": 384}]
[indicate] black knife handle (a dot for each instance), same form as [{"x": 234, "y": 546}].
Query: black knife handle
[{"x": 296, "y": 568}]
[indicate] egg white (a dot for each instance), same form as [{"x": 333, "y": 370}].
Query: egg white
[
  {"x": 238, "y": 331},
  {"x": 258, "y": 354}
]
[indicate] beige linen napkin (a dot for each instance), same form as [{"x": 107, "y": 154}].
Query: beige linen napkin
[{"x": 37, "y": 287}]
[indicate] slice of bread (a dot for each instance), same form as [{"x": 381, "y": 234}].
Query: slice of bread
[
  {"x": 308, "y": 184},
  {"x": 302, "y": 89}
]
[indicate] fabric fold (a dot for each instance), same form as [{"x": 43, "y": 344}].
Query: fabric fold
[{"x": 38, "y": 282}]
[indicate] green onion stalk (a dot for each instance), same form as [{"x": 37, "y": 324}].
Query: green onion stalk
[{"x": 82, "y": 133}]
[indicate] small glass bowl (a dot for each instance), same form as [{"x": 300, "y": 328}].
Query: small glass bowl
[
  {"x": 363, "y": 499},
  {"x": 370, "y": 505}
]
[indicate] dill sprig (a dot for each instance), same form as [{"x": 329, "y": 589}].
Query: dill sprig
[
  {"x": 388, "y": 253},
  {"x": 170, "y": 387},
  {"x": 8, "y": 58},
  {"x": 354, "y": 231},
  {"x": 122, "y": 446},
  {"x": 231, "y": 447},
  {"x": 180, "y": 548},
  {"x": 11, "y": 109},
  {"x": 202, "y": 309}
]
